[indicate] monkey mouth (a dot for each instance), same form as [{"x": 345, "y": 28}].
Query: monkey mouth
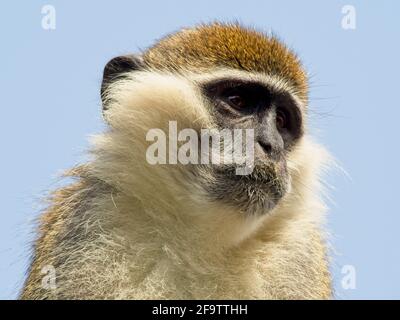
[{"x": 256, "y": 193}]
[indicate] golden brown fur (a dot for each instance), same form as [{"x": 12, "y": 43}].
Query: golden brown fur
[
  {"x": 128, "y": 230},
  {"x": 227, "y": 46}
]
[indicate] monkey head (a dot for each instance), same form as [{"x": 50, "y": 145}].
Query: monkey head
[{"x": 212, "y": 76}]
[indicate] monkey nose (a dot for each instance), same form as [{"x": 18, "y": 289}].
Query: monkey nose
[
  {"x": 265, "y": 146},
  {"x": 269, "y": 150}
]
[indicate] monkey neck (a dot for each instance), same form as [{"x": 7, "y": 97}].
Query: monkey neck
[
  {"x": 202, "y": 236},
  {"x": 187, "y": 230}
]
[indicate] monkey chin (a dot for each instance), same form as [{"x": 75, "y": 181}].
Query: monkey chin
[{"x": 255, "y": 194}]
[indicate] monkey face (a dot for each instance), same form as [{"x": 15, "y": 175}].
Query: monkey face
[
  {"x": 276, "y": 119},
  {"x": 234, "y": 77}
]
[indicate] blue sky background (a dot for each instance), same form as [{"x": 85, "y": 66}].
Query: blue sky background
[{"x": 50, "y": 82}]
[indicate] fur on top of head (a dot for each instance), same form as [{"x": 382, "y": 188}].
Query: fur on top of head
[{"x": 232, "y": 46}]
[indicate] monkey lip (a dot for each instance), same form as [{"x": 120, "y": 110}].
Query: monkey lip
[{"x": 258, "y": 192}]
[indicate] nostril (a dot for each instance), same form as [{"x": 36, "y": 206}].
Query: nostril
[{"x": 265, "y": 146}]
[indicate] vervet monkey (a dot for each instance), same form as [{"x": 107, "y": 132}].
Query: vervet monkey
[{"x": 128, "y": 229}]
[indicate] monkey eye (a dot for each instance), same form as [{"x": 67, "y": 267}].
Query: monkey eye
[
  {"x": 244, "y": 97},
  {"x": 281, "y": 119},
  {"x": 237, "y": 101}
]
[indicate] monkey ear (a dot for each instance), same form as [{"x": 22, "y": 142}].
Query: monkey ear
[{"x": 115, "y": 69}]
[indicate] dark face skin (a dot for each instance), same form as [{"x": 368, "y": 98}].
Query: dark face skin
[{"x": 277, "y": 124}]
